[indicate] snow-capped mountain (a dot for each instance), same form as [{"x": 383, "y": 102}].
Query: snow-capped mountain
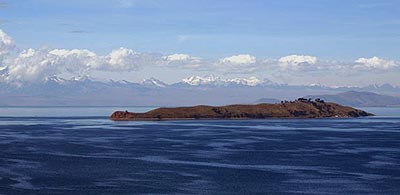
[
  {"x": 55, "y": 79},
  {"x": 153, "y": 82},
  {"x": 206, "y": 80},
  {"x": 85, "y": 91},
  {"x": 212, "y": 80},
  {"x": 63, "y": 81},
  {"x": 82, "y": 78},
  {"x": 251, "y": 81}
]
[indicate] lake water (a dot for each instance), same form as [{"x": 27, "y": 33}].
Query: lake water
[{"x": 79, "y": 151}]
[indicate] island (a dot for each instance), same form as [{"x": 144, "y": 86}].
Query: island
[{"x": 300, "y": 108}]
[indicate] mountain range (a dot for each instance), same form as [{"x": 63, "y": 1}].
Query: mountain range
[
  {"x": 195, "y": 90},
  {"x": 360, "y": 99}
]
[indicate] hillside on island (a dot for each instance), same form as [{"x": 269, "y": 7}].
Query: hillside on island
[{"x": 300, "y": 108}]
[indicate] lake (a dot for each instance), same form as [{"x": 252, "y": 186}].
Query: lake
[{"x": 64, "y": 150}]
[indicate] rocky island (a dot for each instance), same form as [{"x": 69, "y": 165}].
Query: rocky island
[{"x": 300, "y": 108}]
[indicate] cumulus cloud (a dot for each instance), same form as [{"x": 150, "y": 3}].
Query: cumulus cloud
[
  {"x": 297, "y": 62},
  {"x": 293, "y": 64},
  {"x": 239, "y": 59},
  {"x": 34, "y": 65},
  {"x": 241, "y": 63},
  {"x": 31, "y": 65},
  {"x": 183, "y": 60},
  {"x": 123, "y": 59},
  {"x": 6, "y": 43},
  {"x": 74, "y": 60},
  {"x": 178, "y": 57},
  {"x": 38, "y": 64},
  {"x": 374, "y": 63},
  {"x": 235, "y": 63}
]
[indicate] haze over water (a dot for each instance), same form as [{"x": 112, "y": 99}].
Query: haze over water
[{"x": 90, "y": 154}]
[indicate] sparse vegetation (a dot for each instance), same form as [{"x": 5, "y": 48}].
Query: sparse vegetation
[{"x": 300, "y": 108}]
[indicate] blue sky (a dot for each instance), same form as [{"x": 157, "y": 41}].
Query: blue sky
[
  {"x": 331, "y": 30},
  {"x": 325, "y": 28}
]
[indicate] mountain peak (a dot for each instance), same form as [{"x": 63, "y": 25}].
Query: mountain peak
[
  {"x": 251, "y": 81},
  {"x": 153, "y": 82},
  {"x": 55, "y": 79},
  {"x": 198, "y": 80},
  {"x": 360, "y": 99},
  {"x": 217, "y": 81}
]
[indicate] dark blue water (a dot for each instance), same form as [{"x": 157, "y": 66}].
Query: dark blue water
[{"x": 92, "y": 155}]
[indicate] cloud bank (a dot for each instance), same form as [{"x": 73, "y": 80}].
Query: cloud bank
[
  {"x": 31, "y": 65},
  {"x": 375, "y": 63},
  {"x": 37, "y": 64}
]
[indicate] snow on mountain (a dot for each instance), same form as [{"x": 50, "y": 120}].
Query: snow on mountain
[
  {"x": 81, "y": 78},
  {"x": 206, "y": 80},
  {"x": 153, "y": 82},
  {"x": 55, "y": 79},
  {"x": 251, "y": 81},
  {"x": 385, "y": 86},
  {"x": 87, "y": 91},
  {"x": 194, "y": 81},
  {"x": 217, "y": 81}
]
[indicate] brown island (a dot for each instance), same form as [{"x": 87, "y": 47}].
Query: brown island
[{"x": 300, "y": 108}]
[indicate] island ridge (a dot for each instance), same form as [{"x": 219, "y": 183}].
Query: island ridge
[{"x": 300, "y": 108}]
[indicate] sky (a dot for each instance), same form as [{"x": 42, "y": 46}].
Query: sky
[{"x": 329, "y": 42}]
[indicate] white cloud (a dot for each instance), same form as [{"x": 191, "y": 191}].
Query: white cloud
[
  {"x": 239, "y": 59},
  {"x": 6, "y": 43},
  {"x": 178, "y": 57},
  {"x": 374, "y": 63},
  {"x": 75, "y": 60},
  {"x": 310, "y": 64},
  {"x": 38, "y": 64},
  {"x": 242, "y": 63},
  {"x": 236, "y": 63},
  {"x": 34, "y": 65},
  {"x": 31, "y": 65},
  {"x": 182, "y": 60},
  {"x": 296, "y": 62},
  {"x": 123, "y": 59}
]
